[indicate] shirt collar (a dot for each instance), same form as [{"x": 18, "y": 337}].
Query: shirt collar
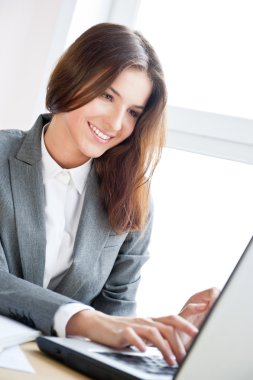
[
  {"x": 50, "y": 168},
  {"x": 80, "y": 174}
]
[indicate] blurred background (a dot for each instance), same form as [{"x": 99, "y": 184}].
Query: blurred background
[{"x": 203, "y": 186}]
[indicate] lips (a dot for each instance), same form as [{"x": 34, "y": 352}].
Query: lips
[{"x": 99, "y": 133}]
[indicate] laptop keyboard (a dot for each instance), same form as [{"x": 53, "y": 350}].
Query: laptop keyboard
[{"x": 150, "y": 364}]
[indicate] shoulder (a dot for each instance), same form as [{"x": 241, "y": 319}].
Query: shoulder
[{"x": 10, "y": 140}]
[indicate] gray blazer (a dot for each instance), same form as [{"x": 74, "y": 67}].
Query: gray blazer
[{"x": 106, "y": 268}]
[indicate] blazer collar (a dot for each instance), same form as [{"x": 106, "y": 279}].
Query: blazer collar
[
  {"x": 29, "y": 202},
  {"x": 30, "y": 150}
]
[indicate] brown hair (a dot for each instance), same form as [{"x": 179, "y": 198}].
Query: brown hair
[{"x": 85, "y": 70}]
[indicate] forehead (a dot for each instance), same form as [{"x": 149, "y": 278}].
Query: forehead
[{"x": 134, "y": 86}]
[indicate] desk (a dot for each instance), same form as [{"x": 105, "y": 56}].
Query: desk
[{"x": 45, "y": 368}]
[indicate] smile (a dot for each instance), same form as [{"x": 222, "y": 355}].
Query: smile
[{"x": 98, "y": 133}]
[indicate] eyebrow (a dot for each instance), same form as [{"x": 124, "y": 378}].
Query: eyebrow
[{"x": 118, "y": 94}]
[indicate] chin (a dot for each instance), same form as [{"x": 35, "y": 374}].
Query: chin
[{"x": 92, "y": 155}]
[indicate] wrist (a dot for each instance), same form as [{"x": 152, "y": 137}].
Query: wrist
[{"x": 81, "y": 323}]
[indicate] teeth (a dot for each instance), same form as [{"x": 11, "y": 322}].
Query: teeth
[{"x": 99, "y": 133}]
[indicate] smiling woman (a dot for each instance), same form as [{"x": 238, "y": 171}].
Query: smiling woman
[
  {"x": 110, "y": 57},
  {"x": 75, "y": 212}
]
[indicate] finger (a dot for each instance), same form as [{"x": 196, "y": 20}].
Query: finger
[
  {"x": 153, "y": 335},
  {"x": 213, "y": 295},
  {"x": 128, "y": 336},
  {"x": 186, "y": 340},
  {"x": 192, "y": 309},
  {"x": 207, "y": 295},
  {"x": 179, "y": 323},
  {"x": 175, "y": 341}
]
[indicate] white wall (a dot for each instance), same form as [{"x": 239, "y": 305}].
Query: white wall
[
  {"x": 118, "y": 11},
  {"x": 33, "y": 34}
]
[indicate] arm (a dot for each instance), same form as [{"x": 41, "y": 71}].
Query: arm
[
  {"x": 117, "y": 331},
  {"x": 118, "y": 294},
  {"x": 27, "y": 302},
  {"x": 117, "y": 298}
]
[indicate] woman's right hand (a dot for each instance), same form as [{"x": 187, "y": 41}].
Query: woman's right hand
[{"x": 119, "y": 332}]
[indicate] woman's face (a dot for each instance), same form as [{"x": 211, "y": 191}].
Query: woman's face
[{"x": 106, "y": 121}]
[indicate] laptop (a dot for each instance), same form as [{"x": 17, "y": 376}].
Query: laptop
[{"x": 223, "y": 349}]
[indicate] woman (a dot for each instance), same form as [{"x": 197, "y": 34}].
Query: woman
[{"x": 74, "y": 199}]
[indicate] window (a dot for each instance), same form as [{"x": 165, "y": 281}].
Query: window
[
  {"x": 203, "y": 221},
  {"x": 205, "y": 48}
]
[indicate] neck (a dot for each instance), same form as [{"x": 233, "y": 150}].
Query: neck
[{"x": 58, "y": 142}]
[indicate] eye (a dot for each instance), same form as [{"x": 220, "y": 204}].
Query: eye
[
  {"x": 107, "y": 96},
  {"x": 134, "y": 114}
]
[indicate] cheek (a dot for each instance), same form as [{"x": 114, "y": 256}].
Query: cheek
[
  {"x": 96, "y": 107},
  {"x": 128, "y": 130},
  {"x": 71, "y": 119},
  {"x": 129, "y": 133},
  {"x": 75, "y": 119}
]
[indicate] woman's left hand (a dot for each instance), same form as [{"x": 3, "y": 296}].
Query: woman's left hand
[{"x": 196, "y": 309}]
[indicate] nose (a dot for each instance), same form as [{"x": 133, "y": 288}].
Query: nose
[{"x": 116, "y": 119}]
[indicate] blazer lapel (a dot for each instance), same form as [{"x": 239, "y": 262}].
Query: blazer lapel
[
  {"x": 28, "y": 198},
  {"x": 92, "y": 233}
]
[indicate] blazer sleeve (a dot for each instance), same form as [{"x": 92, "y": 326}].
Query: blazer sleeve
[
  {"x": 26, "y": 302},
  {"x": 118, "y": 294}
]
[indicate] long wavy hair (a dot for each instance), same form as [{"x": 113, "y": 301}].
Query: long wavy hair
[{"x": 85, "y": 71}]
